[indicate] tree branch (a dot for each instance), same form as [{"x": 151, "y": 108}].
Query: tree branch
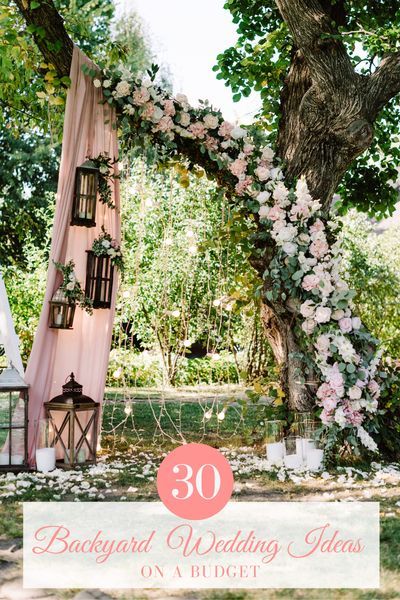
[
  {"x": 49, "y": 33},
  {"x": 315, "y": 33},
  {"x": 385, "y": 82}
]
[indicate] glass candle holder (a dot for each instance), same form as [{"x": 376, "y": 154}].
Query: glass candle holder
[
  {"x": 274, "y": 442},
  {"x": 302, "y": 422},
  {"x": 315, "y": 456},
  {"x": 293, "y": 452}
]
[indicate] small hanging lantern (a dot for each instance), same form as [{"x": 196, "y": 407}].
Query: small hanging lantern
[
  {"x": 85, "y": 198},
  {"x": 62, "y": 311},
  {"x": 75, "y": 419},
  {"x": 99, "y": 279},
  {"x": 13, "y": 421}
]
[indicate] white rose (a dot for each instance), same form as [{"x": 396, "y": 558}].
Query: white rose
[
  {"x": 264, "y": 212},
  {"x": 356, "y": 322},
  {"x": 323, "y": 314},
  {"x": 70, "y": 286},
  {"x": 182, "y": 99},
  {"x": 184, "y": 119},
  {"x": 307, "y": 309},
  {"x": 263, "y": 197},
  {"x": 262, "y": 173},
  {"x": 106, "y": 83},
  {"x": 105, "y": 243},
  {"x": 287, "y": 234},
  {"x": 354, "y": 393},
  {"x": 122, "y": 89},
  {"x": 211, "y": 121},
  {"x": 97, "y": 83},
  {"x": 268, "y": 154},
  {"x": 103, "y": 169},
  {"x": 290, "y": 248},
  {"x": 276, "y": 173},
  {"x": 308, "y": 326},
  {"x": 238, "y": 132},
  {"x": 157, "y": 114}
]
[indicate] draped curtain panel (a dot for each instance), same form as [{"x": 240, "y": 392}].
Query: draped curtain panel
[
  {"x": 89, "y": 130},
  {"x": 8, "y": 337}
]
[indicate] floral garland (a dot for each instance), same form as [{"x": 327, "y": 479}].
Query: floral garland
[
  {"x": 305, "y": 272},
  {"x": 104, "y": 164},
  {"x": 105, "y": 245},
  {"x": 71, "y": 287}
]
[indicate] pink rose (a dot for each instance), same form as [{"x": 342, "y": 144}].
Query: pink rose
[
  {"x": 243, "y": 186},
  {"x": 148, "y": 110},
  {"x": 319, "y": 248},
  {"x": 263, "y": 173},
  {"x": 318, "y": 226},
  {"x": 165, "y": 124},
  {"x": 345, "y": 325},
  {"x": 310, "y": 282},
  {"x": 238, "y": 167},
  {"x": 374, "y": 388},
  {"x": 276, "y": 213},
  {"x": 225, "y": 129},
  {"x": 323, "y": 343},
  {"x": 198, "y": 130},
  {"x": 326, "y": 417},
  {"x": 211, "y": 143},
  {"x": 355, "y": 393},
  {"x": 169, "y": 108},
  {"x": 141, "y": 96}
]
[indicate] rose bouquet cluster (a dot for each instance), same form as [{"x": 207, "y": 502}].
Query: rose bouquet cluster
[
  {"x": 305, "y": 271},
  {"x": 105, "y": 245}
]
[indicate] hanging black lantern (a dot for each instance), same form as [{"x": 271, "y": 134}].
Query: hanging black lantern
[
  {"x": 99, "y": 280},
  {"x": 85, "y": 198},
  {"x": 62, "y": 311},
  {"x": 13, "y": 421},
  {"x": 75, "y": 418}
]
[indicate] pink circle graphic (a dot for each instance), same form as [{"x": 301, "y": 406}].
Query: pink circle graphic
[{"x": 195, "y": 481}]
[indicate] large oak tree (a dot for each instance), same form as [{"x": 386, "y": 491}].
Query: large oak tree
[{"x": 328, "y": 108}]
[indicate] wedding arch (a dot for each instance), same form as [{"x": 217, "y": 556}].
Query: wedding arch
[{"x": 326, "y": 356}]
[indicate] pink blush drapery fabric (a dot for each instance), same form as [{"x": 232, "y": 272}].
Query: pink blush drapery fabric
[{"x": 88, "y": 131}]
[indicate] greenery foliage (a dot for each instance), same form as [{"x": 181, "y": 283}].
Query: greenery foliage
[{"x": 259, "y": 61}]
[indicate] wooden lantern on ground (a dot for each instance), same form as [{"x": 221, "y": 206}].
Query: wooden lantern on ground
[
  {"x": 13, "y": 421},
  {"x": 99, "y": 280},
  {"x": 62, "y": 311},
  {"x": 75, "y": 419},
  {"x": 85, "y": 197}
]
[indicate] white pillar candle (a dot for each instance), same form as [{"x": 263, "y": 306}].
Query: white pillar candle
[
  {"x": 17, "y": 459},
  {"x": 59, "y": 318},
  {"x": 299, "y": 446},
  {"x": 293, "y": 461},
  {"x": 81, "y": 456},
  {"x": 45, "y": 459},
  {"x": 275, "y": 453},
  {"x": 4, "y": 459},
  {"x": 314, "y": 459},
  {"x": 307, "y": 446}
]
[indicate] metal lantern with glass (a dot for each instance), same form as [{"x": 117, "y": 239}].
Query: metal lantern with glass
[
  {"x": 85, "y": 198},
  {"x": 75, "y": 418},
  {"x": 99, "y": 279},
  {"x": 13, "y": 421},
  {"x": 62, "y": 311}
]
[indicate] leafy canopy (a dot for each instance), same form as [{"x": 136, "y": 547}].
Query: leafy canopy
[{"x": 260, "y": 59}]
